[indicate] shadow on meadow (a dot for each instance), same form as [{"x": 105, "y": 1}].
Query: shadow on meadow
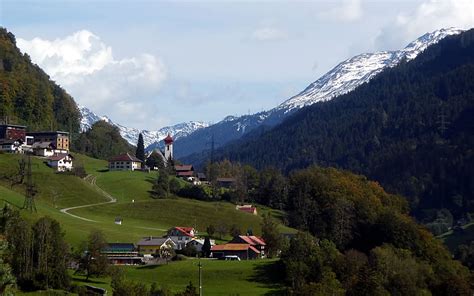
[{"x": 271, "y": 276}]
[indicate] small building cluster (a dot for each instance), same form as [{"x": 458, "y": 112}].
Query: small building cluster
[
  {"x": 149, "y": 249},
  {"x": 52, "y": 145}
]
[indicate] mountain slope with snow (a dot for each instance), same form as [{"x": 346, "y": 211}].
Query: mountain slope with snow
[
  {"x": 151, "y": 139},
  {"x": 340, "y": 80},
  {"x": 360, "y": 69}
]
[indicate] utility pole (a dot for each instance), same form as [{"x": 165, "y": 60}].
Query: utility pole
[
  {"x": 31, "y": 191},
  {"x": 200, "y": 278}
]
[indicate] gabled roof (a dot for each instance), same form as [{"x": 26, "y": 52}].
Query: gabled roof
[
  {"x": 184, "y": 168},
  {"x": 252, "y": 240},
  {"x": 234, "y": 247},
  {"x": 58, "y": 157},
  {"x": 119, "y": 247},
  {"x": 248, "y": 209},
  {"x": 125, "y": 157},
  {"x": 185, "y": 230},
  {"x": 185, "y": 174},
  {"x": 154, "y": 241},
  {"x": 42, "y": 145}
]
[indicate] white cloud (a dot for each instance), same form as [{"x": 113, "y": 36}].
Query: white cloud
[
  {"x": 428, "y": 16},
  {"x": 268, "y": 34},
  {"x": 346, "y": 11},
  {"x": 86, "y": 68}
]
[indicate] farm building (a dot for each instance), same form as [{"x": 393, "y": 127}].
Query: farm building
[
  {"x": 256, "y": 242},
  {"x": 244, "y": 251},
  {"x": 124, "y": 162},
  {"x": 155, "y": 245},
  {"x": 122, "y": 254},
  {"x": 247, "y": 208}
]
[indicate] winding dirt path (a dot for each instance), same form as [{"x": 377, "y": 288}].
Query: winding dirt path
[{"x": 92, "y": 180}]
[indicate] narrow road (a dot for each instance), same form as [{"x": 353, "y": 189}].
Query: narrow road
[{"x": 92, "y": 180}]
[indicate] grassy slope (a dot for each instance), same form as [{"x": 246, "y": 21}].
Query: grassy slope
[
  {"x": 219, "y": 277},
  {"x": 144, "y": 217},
  {"x": 70, "y": 190}
]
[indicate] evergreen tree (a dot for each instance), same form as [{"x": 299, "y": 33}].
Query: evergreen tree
[
  {"x": 206, "y": 247},
  {"x": 271, "y": 235},
  {"x": 161, "y": 188},
  {"x": 140, "y": 152}
]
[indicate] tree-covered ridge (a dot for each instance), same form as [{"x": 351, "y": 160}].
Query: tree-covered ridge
[
  {"x": 102, "y": 141},
  {"x": 410, "y": 128},
  {"x": 28, "y": 96},
  {"x": 363, "y": 242}
]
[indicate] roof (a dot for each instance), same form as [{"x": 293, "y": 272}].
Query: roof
[
  {"x": 153, "y": 241},
  {"x": 252, "y": 240},
  {"x": 233, "y": 247},
  {"x": 42, "y": 145},
  {"x": 48, "y": 133},
  {"x": 10, "y": 142},
  {"x": 185, "y": 230},
  {"x": 58, "y": 157},
  {"x": 125, "y": 157},
  {"x": 185, "y": 174},
  {"x": 248, "y": 210},
  {"x": 201, "y": 175},
  {"x": 168, "y": 139},
  {"x": 119, "y": 247},
  {"x": 184, "y": 168},
  {"x": 13, "y": 125}
]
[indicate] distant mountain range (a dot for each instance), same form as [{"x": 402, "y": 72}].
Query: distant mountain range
[
  {"x": 151, "y": 139},
  {"x": 195, "y": 137}
]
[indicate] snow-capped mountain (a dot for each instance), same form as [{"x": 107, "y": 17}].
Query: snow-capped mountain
[
  {"x": 151, "y": 139},
  {"x": 342, "y": 79},
  {"x": 357, "y": 70}
]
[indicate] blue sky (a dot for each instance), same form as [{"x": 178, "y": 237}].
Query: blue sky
[{"x": 147, "y": 64}]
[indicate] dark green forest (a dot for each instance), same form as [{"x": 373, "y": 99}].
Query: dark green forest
[
  {"x": 102, "y": 141},
  {"x": 410, "y": 128},
  {"x": 27, "y": 94}
]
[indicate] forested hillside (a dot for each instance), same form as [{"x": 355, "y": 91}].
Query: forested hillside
[
  {"x": 28, "y": 96},
  {"x": 410, "y": 128},
  {"x": 102, "y": 141}
]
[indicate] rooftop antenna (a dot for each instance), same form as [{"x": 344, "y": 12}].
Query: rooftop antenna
[{"x": 31, "y": 191}]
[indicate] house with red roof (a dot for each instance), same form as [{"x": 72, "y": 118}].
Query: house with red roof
[
  {"x": 243, "y": 251},
  {"x": 124, "y": 162},
  {"x": 184, "y": 171},
  {"x": 181, "y": 236},
  {"x": 257, "y": 242},
  {"x": 247, "y": 208},
  {"x": 60, "y": 162}
]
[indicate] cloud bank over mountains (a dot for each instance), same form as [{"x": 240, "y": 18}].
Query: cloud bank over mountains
[{"x": 85, "y": 66}]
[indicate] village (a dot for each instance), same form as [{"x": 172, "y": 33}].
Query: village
[{"x": 53, "y": 147}]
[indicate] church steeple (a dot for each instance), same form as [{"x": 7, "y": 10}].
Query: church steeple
[{"x": 168, "y": 147}]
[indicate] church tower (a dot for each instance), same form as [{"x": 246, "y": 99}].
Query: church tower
[{"x": 168, "y": 147}]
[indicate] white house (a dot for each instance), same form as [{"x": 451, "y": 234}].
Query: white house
[
  {"x": 197, "y": 243},
  {"x": 181, "y": 236},
  {"x": 61, "y": 162},
  {"x": 155, "y": 245},
  {"x": 124, "y": 162},
  {"x": 11, "y": 146},
  {"x": 45, "y": 149}
]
